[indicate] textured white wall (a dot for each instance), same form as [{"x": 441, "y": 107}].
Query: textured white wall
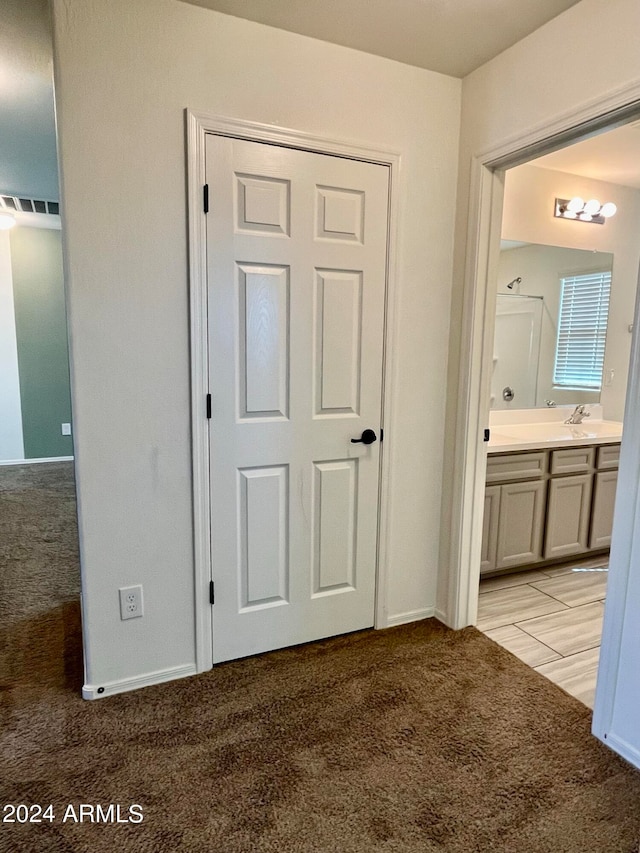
[
  {"x": 11, "y": 444},
  {"x": 125, "y": 72},
  {"x": 528, "y": 204}
]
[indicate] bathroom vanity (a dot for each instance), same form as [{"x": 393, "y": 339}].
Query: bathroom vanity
[{"x": 550, "y": 492}]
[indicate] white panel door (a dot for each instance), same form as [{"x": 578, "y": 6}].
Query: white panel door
[{"x": 297, "y": 249}]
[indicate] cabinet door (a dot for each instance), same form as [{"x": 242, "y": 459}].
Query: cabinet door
[
  {"x": 520, "y": 524},
  {"x": 568, "y": 516},
  {"x": 490, "y": 528},
  {"x": 602, "y": 513}
]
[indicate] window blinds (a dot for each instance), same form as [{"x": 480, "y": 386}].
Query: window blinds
[{"x": 582, "y": 330}]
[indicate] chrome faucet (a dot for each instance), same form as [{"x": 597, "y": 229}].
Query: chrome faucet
[{"x": 578, "y": 414}]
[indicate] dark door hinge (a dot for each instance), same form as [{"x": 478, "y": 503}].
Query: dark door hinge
[
  {"x": 208, "y": 406},
  {"x": 381, "y": 434},
  {"x": 206, "y": 198},
  {"x": 487, "y": 434},
  {"x": 212, "y": 598}
]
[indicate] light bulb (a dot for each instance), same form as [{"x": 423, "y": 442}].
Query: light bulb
[
  {"x": 586, "y": 217},
  {"x": 608, "y": 209},
  {"x": 570, "y": 214},
  {"x": 7, "y": 220},
  {"x": 592, "y": 206},
  {"x": 576, "y": 204}
]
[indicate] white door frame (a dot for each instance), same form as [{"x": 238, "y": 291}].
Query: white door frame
[
  {"x": 198, "y": 126},
  {"x": 478, "y": 323}
]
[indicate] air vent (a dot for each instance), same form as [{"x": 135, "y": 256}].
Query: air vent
[{"x": 28, "y": 205}]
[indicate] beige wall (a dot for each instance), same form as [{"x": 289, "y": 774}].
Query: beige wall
[
  {"x": 529, "y": 197},
  {"x": 125, "y": 72}
]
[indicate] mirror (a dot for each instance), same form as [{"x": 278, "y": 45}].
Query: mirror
[{"x": 527, "y": 314}]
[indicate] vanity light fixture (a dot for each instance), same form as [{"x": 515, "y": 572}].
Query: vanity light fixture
[
  {"x": 7, "y": 220},
  {"x": 584, "y": 211}
]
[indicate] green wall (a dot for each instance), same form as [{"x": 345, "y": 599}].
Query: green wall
[{"x": 41, "y": 330}]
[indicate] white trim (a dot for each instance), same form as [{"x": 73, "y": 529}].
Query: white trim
[
  {"x": 124, "y": 685},
  {"x": 198, "y": 125},
  {"x": 284, "y": 136},
  {"x": 36, "y": 461},
  {"x": 410, "y": 616},
  {"x": 196, "y": 130},
  {"x": 541, "y": 138},
  {"x": 478, "y": 322},
  {"x": 389, "y": 390}
]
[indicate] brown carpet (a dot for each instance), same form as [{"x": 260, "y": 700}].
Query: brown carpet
[
  {"x": 39, "y": 575},
  {"x": 410, "y": 740}
]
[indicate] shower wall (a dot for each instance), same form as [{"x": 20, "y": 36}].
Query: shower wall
[{"x": 516, "y": 351}]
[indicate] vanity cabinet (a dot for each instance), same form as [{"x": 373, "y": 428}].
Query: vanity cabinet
[
  {"x": 548, "y": 505},
  {"x": 514, "y": 510}
]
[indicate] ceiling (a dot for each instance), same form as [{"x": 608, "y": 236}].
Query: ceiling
[
  {"x": 613, "y": 156},
  {"x": 450, "y": 36}
]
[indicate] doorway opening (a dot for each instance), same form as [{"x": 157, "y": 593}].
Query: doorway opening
[{"x": 546, "y": 531}]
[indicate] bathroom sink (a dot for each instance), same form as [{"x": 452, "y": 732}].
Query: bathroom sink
[{"x": 554, "y": 432}]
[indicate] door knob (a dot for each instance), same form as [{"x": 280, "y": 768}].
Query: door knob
[{"x": 367, "y": 437}]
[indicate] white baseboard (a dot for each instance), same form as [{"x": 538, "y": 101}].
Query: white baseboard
[
  {"x": 36, "y": 461},
  {"x": 441, "y": 616},
  {"x": 626, "y": 750},
  {"x": 410, "y": 616},
  {"x": 109, "y": 688}
]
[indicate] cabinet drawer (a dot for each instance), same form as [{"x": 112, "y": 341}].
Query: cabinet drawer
[
  {"x": 608, "y": 456},
  {"x": 516, "y": 466},
  {"x": 572, "y": 460}
]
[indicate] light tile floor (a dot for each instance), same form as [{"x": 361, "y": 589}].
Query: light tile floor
[{"x": 551, "y": 619}]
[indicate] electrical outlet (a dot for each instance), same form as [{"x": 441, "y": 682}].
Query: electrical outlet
[
  {"x": 66, "y": 429},
  {"x": 130, "y": 602}
]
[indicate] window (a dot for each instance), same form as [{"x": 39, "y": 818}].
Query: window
[{"x": 582, "y": 330}]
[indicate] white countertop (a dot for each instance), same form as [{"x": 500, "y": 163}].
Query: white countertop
[{"x": 507, "y": 438}]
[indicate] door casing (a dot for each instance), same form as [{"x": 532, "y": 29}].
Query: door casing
[{"x": 198, "y": 126}]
